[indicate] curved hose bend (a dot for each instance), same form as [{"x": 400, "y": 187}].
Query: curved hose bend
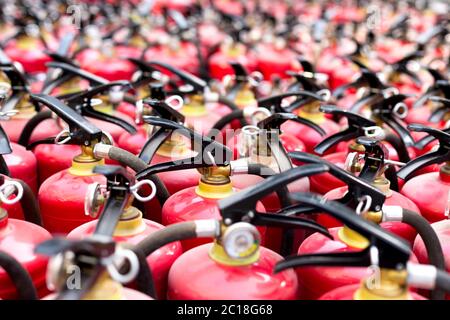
[
  {"x": 443, "y": 281},
  {"x": 135, "y": 163},
  {"x": 225, "y": 120},
  {"x": 431, "y": 242},
  {"x": 32, "y": 124},
  {"x": 19, "y": 277},
  {"x": 176, "y": 232},
  {"x": 29, "y": 204},
  {"x": 144, "y": 279}
]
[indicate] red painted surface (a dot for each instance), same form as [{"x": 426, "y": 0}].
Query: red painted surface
[{"x": 196, "y": 276}]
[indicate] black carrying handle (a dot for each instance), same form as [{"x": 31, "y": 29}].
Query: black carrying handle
[
  {"x": 19, "y": 85},
  {"x": 221, "y": 153},
  {"x": 384, "y": 110},
  {"x": 69, "y": 70},
  {"x": 393, "y": 252},
  {"x": 273, "y": 103},
  {"x": 82, "y": 102},
  {"x": 198, "y": 84},
  {"x": 241, "y": 78},
  {"x": 277, "y": 119},
  {"x": 357, "y": 187},
  {"x": 442, "y": 154},
  {"x": 367, "y": 78},
  {"x": 401, "y": 66},
  {"x": 81, "y": 130},
  {"x": 439, "y": 113},
  {"x": 118, "y": 185},
  {"x": 356, "y": 125},
  {"x": 149, "y": 73},
  {"x": 159, "y": 136},
  {"x": 241, "y": 206}
]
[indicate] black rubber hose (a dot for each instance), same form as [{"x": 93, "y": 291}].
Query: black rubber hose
[
  {"x": 233, "y": 107},
  {"x": 137, "y": 165},
  {"x": 19, "y": 277},
  {"x": 399, "y": 146},
  {"x": 219, "y": 125},
  {"x": 391, "y": 175},
  {"x": 27, "y": 131},
  {"x": 144, "y": 279},
  {"x": 443, "y": 281},
  {"x": 29, "y": 204},
  {"x": 171, "y": 233},
  {"x": 4, "y": 167},
  {"x": 287, "y": 241},
  {"x": 431, "y": 242}
]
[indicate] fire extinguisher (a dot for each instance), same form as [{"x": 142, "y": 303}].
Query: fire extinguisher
[
  {"x": 422, "y": 108},
  {"x": 264, "y": 108},
  {"x": 199, "y": 201},
  {"x": 309, "y": 109},
  {"x": 406, "y": 81},
  {"x": 230, "y": 266},
  {"x": 180, "y": 48},
  {"x": 164, "y": 144},
  {"x": 116, "y": 198},
  {"x": 55, "y": 157},
  {"x": 32, "y": 126},
  {"x": 101, "y": 58},
  {"x": 199, "y": 102},
  {"x": 347, "y": 95},
  {"x": 387, "y": 256},
  {"x": 27, "y": 46},
  {"x": 371, "y": 172},
  {"x": 344, "y": 143},
  {"x": 241, "y": 86},
  {"x": 103, "y": 277},
  {"x": 58, "y": 213},
  {"x": 17, "y": 105},
  {"x": 19, "y": 277},
  {"x": 345, "y": 239},
  {"x": 231, "y": 49},
  {"x": 389, "y": 113},
  {"x": 432, "y": 195},
  {"x": 18, "y": 238}
]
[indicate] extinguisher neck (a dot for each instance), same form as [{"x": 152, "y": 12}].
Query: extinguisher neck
[
  {"x": 173, "y": 148},
  {"x": 218, "y": 187},
  {"x": 245, "y": 97},
  {"x": 84, "y": 165},
  {"x": 384, "y": 284},
  {"x": 130, "y": 223},
  {"x": 217, "y": 253},
  {"x": 352, "y": 238},
  {"x": 310, "y": 111},
  {"x": 383, "y": 184},
  {"x": 105, "y": 289},
  {"x": 356, "y": 147},
  {"x": 195, "y": 107}
]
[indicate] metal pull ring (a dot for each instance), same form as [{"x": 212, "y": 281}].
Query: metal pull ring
[
  {"x": 7, "y": 189},
  {"x": 374, "y": 132},
  {"x": 175, "y": 98},
  {"x": 135, "y": 188},
  {"x": 400, "y": 110},
  {"x": 63, "y": 137},
  {"x": 119, "y": 256}
]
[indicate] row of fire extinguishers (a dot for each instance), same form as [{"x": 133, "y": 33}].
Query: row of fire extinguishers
[{"x": 224, "y": 150}]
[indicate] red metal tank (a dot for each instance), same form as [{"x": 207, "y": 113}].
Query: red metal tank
[
  {"x": 29, "y": 52},
  {"x": 22, "y": 165},
  {"x": 111, "y": 67},
  {"x": 274, "y": 60},
  {"x": 132, "y": 232},
  {"x": 219, "y": 62},
  {"x": 19, "y": 238},
  {"x": 255, "y": 281}
]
